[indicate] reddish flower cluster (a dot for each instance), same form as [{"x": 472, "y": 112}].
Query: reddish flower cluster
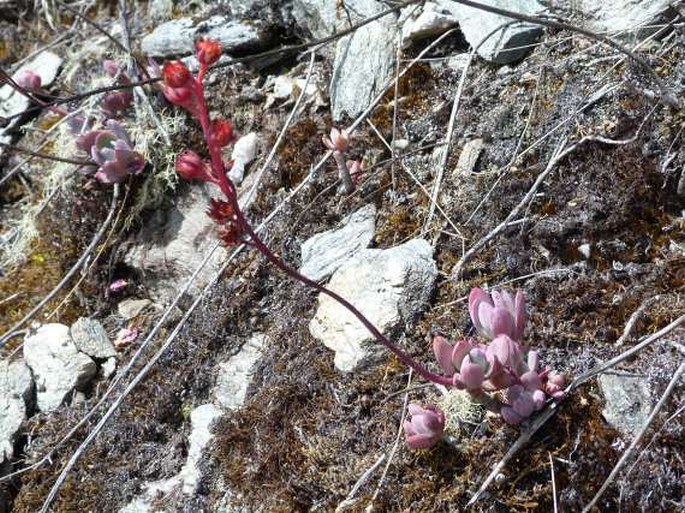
[{"x": 183, "y": 89}]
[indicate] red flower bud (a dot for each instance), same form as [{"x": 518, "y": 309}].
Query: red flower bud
[
  {"x": 190, "y": 166},
  {"x": 208, "y": 51},
  {"x": 222, "y": 132},
  {"x": 175, "y": 74},
  {"x": 221, "y": 211}
]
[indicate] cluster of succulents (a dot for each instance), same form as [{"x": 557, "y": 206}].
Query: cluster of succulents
[
  {"x": 503, "y": 373},
  {"x": 110, "y": 147}
]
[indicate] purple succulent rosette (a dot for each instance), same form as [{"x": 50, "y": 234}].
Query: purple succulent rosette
[{"x": 111, "y": 150}]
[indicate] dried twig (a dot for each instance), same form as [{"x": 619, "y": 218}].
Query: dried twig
[
  {"x": 634, "y": 318},
  {"x": 391, "y": 455},
  {"x": 631, "y": 449},
  {"x": 554, "y": 483}
]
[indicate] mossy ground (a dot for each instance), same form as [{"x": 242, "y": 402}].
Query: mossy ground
[{"x": 307, "y": 433}]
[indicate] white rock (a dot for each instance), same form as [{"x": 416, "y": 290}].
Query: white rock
[
  {"x": 468, "y": 158},
  {"x": 363, "y": 62},
  {"x": 615, "y": 16},
  {"x": 201, "y": 419},
  {"x": 506, "y": 45},
  {"x": 177, "y": 37},
  {"x": 431, "y": 20},
  {"x": 173, "y": 243},
  {"x": 91, "y": 338},
  {"x": 109, "y": 367},
  {"x": 58, "y": 367},
  {"x": 234, "y": 374},
  {"x": 46, "y": 64},
  {"x": 585, "y": 250},
  {"x": 244, "y": 152},
  {"x": 131, "y": 308},
  {"x": 628, "y": 401},
  {"x": 16, "y": 385},
  {"x": 325, "y": 252},
  {"x": 388, "y": 286}
]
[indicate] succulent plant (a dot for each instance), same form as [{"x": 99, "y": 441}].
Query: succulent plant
[
  {"x": 425, "y": 426},
  {"x": 111, "y": 150},
  {"x": 498, "y": 313}
]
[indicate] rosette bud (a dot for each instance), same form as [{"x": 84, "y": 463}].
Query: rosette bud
[
  {"x": 190, "y": 166},
  {"x": 176, "y": 74},
  {"x": 425, "y": 426},
  {"x": 208, "y": 51},
  {"x": 222, "y": 132},
  {"x": 337, "y": 141}
]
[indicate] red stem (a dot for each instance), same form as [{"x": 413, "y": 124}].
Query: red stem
[{"x": 228, "y": 189}]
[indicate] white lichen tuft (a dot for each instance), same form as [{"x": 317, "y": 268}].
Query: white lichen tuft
[{"x": 460, "y": 410}]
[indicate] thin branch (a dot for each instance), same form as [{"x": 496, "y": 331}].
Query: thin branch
[
  {"x": 638, "y": 437},
  {"x": 45, "y": 156},
  {"x": 634, "y": 350},
  {"x": 554, "y": 483},
  {"x": 557, "y": 156}
]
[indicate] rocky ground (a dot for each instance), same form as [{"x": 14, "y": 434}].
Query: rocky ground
[{"x": 231, "y": 387}]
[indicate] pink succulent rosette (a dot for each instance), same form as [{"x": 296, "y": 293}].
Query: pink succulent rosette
[{"x": 425, "y": 427}]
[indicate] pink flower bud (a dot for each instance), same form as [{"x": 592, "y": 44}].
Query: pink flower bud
[
  {"x": 176, "y": 74},
  {"x": 190, "y": 166},
  {"x": 29, "y": 80},
  {"x": 337, "y": 141},
  {"x": 498, "y": 314},
  {"x": 425, "y": 426},
  {"x": 208, "y": 51}
]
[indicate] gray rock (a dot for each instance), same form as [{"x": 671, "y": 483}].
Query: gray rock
[
  {"x": 109, "y": 367},
  {"x": 159, "y": 10},
  {"x": 429, "y": 21},
  {"x": 628, "y": 401},
  {"x": 615, "y": 16},
  {"x": 58, "y": 367},
  {"x": 177, "y": 37},
  {"x": 325, "y": 252},
  {"x": 91, "y": 338},
  {"x": 16, "y": 387},
  {"x": 389, "y": 286},
  {"x": 504, "y": 46},
  {"x": 317, "y": 17},
  {"x": 243, "y": 8},
  {"x": 363, "y": 62},
  {"x": 233, "y": 377},
  {"x": 131, "y": 308},
  {"x": 173, "y": 243}
]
